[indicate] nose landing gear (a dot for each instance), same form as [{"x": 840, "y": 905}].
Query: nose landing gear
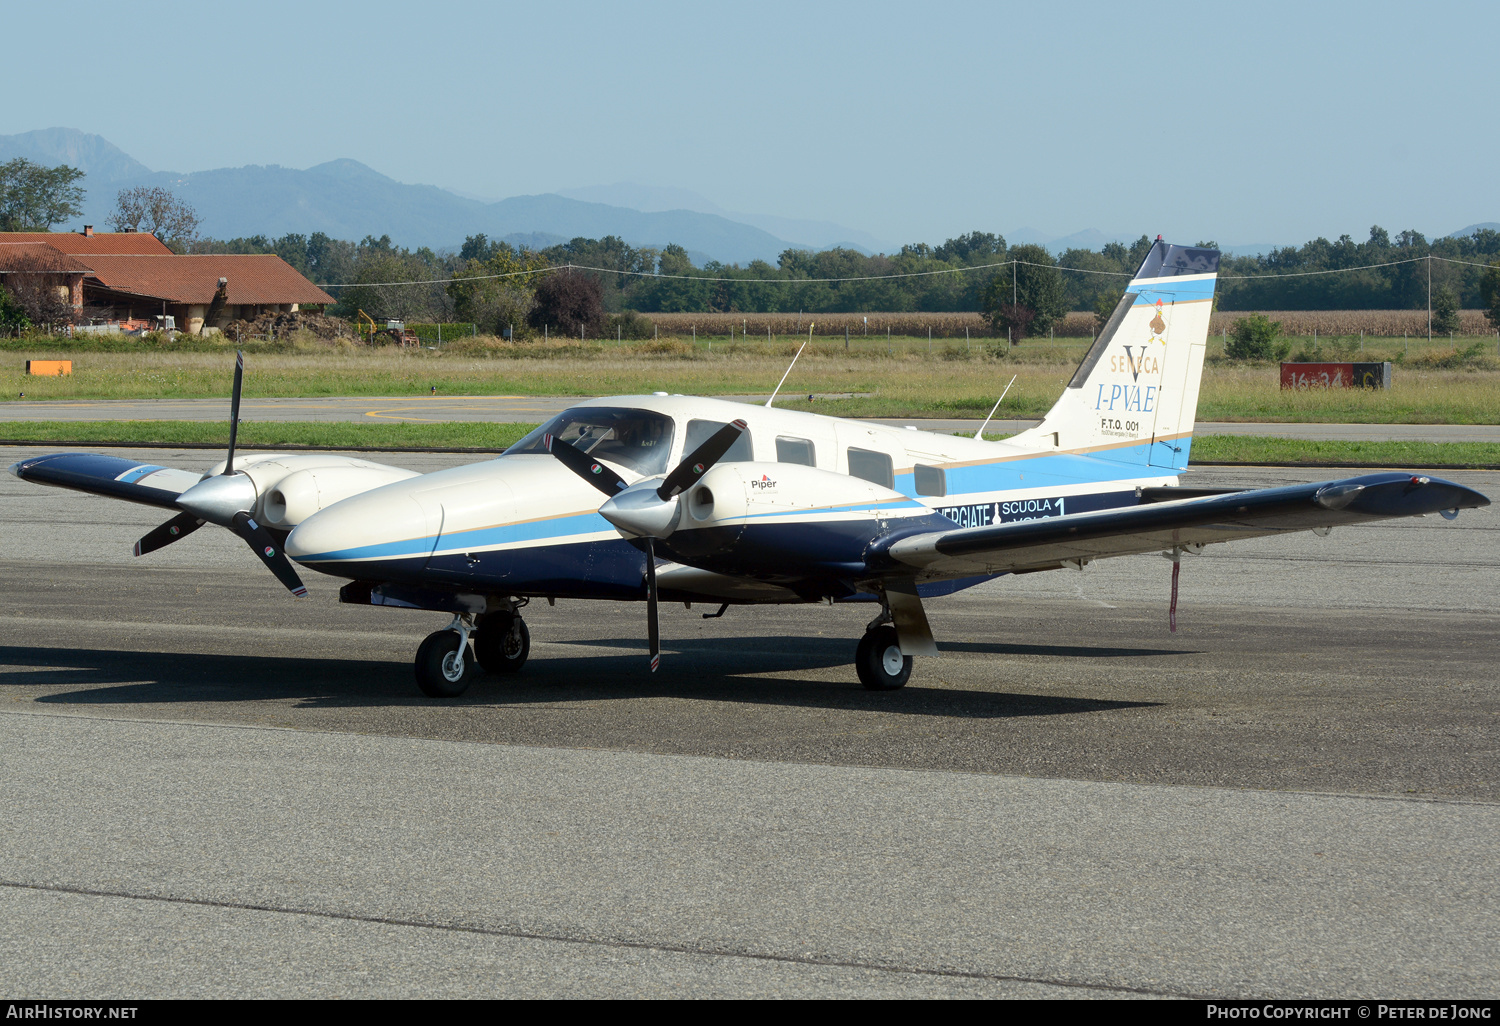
[{"x": 445, "y": 661}]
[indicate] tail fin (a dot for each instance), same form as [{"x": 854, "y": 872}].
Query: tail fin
[{"x": 1134, "y": 397}]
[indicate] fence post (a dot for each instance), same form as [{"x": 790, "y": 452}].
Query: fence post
[
  {"x": 888, "y": 350},
  {"x": 846, "y": 338},
  {"x": 966, "y": 338},
  {"x": 929, "y": 338},
  {"x": 440, "y": 332}
]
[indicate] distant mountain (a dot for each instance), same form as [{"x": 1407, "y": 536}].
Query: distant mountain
[
  {"x": 1493, "y": 226},
  {"x": 96, "y": 156},
  {"x": 807, "y": 234},
  {"x": 348, "y": 200}
]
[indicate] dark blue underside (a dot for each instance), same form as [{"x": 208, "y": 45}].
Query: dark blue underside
[{"x": 824, "y": 560}]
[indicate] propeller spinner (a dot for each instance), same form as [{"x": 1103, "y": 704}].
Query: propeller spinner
[
  {"x": 226, "y": 499},
  {"x": 647, "y": 509}
]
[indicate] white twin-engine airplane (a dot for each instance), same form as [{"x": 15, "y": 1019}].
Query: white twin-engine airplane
[{"x": 717, "y": 502}]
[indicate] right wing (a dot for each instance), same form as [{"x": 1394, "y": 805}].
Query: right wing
[{"x": 1162, "y": 526}]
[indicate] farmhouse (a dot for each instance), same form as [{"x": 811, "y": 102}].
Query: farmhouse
[{"x": 128, "y": 279}]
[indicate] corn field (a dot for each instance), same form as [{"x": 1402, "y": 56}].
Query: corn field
[
  {"x": 1387, "y": 323},
  {"x": 911, "y": 325}
]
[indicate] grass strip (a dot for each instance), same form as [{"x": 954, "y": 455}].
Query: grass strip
[
  {"x": 1258, "y": 449},
  {"x": 484, "y": 436},
  {"x": 478, "y": 435}
]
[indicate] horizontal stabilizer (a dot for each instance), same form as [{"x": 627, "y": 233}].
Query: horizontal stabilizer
[
  {"x": 112, "y": 476},
  {"x": 1161, "y": 526}
]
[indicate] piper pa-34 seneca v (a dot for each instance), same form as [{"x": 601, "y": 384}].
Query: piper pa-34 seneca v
[{"x": 681, "y": 499}]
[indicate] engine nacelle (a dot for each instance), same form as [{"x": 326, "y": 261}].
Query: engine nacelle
[
  {"x": 771, "y": 519},
  {"x": 292, "y": 488}
]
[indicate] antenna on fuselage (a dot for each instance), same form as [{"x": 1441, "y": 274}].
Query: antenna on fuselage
[
  {"x": 987, "y": 420},
  {"x": 789, "y": 368}
]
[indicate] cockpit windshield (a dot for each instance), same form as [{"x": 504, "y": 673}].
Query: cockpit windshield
[{"x": 635, "y": 439}]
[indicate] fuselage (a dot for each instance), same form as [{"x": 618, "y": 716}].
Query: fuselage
[{"x": 798, "y": 504}]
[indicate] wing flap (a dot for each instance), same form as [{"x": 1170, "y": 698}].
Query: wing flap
[
  {"x": 111, "y": 476},
  {"x": 1157, "y": 526}
]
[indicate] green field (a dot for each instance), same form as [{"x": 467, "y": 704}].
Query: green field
[
  {"x": 482, "y": 437},
  {"x": 949, "y": 382}
]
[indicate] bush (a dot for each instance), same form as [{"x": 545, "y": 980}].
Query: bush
[
  {"x": 568, "y": 302},
  {"x": 1255, "y": 338},
  {"x": 630, "y": 325},
  {"x": 1444, "y": 309},
  {"x": 1489, "y": 290}
]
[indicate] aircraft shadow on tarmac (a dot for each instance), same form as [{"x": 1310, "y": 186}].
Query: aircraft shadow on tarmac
[{"x": 724, "y": 670}]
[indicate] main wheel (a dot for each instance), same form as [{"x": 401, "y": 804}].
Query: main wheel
[
  {"x": 502, "y": 643},
  {"x": 443, "y": 671},
  {"x": 879, "y": 662}
]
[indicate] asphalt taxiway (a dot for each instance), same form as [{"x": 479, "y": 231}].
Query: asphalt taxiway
[{"x": 212, "y": 789}]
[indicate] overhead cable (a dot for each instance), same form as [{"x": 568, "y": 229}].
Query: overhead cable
[{"x": 872, "y": 277}]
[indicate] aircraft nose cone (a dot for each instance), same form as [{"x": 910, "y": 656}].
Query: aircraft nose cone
[
  {"x": 218, "y": 499},
  {"x": 640, "y": 511}
]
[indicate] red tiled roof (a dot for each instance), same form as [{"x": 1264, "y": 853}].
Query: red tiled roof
[
  {"x": 100, "y": 242},
  {"x": 38, "y": 257},
  {"x": 264, "y": 278}
]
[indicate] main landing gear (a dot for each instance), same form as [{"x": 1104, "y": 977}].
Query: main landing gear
[
  {"x": 445, "y": 661},
  {"x": 878, "y": 659}
]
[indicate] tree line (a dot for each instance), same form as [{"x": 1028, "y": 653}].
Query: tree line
[{"x": 1023, "y": 289}]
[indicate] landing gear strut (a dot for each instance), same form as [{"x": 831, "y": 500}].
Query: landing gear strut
[
  {"x": 444, "y": 664},
  {"x": 445, "y": 661},
  {"x": 878, "y": 659}
]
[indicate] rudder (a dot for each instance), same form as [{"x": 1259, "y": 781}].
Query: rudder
[{"x": 1134, "y": 397}]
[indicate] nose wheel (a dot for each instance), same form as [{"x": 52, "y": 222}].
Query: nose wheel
[
  {"x": 879, "y": 662},
  {"x": 445, "y": 664}
]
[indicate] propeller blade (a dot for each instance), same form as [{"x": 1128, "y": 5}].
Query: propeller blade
[
  {"x": 180, "y": 526},
  {"x": 653, "y": 626},
  {"x": 700, "y": 460},
  {"x": 234, "y": 407},
  {"x": 269, "y": 552},
  {"x": 585, "y": 466}
]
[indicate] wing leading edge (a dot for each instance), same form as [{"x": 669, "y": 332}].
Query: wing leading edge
[
  {"x": 1159, "y": 526},
  {"x": 112, "y": 476}
]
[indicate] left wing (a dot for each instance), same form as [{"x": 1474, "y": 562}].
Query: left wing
[
  {"x": 117, "y": 478},
  {"x": 1194, "y": 522}
]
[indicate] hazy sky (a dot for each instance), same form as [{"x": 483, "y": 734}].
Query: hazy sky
[{"x": 912, "y": 121}]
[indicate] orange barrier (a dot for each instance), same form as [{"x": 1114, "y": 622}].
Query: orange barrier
[{"x": 49, "y": 368}]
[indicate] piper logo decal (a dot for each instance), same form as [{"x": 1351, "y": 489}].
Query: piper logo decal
[{"x": 764, "y": 483}]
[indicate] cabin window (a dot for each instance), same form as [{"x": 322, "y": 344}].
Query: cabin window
[
  {"x": 872, "y": 466},
  {"x": 700, "y": 431},
  {"x": 638, "y": 440},
  {"x": 930, "y": 480},
  {"x": 795, "y": 450}
]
